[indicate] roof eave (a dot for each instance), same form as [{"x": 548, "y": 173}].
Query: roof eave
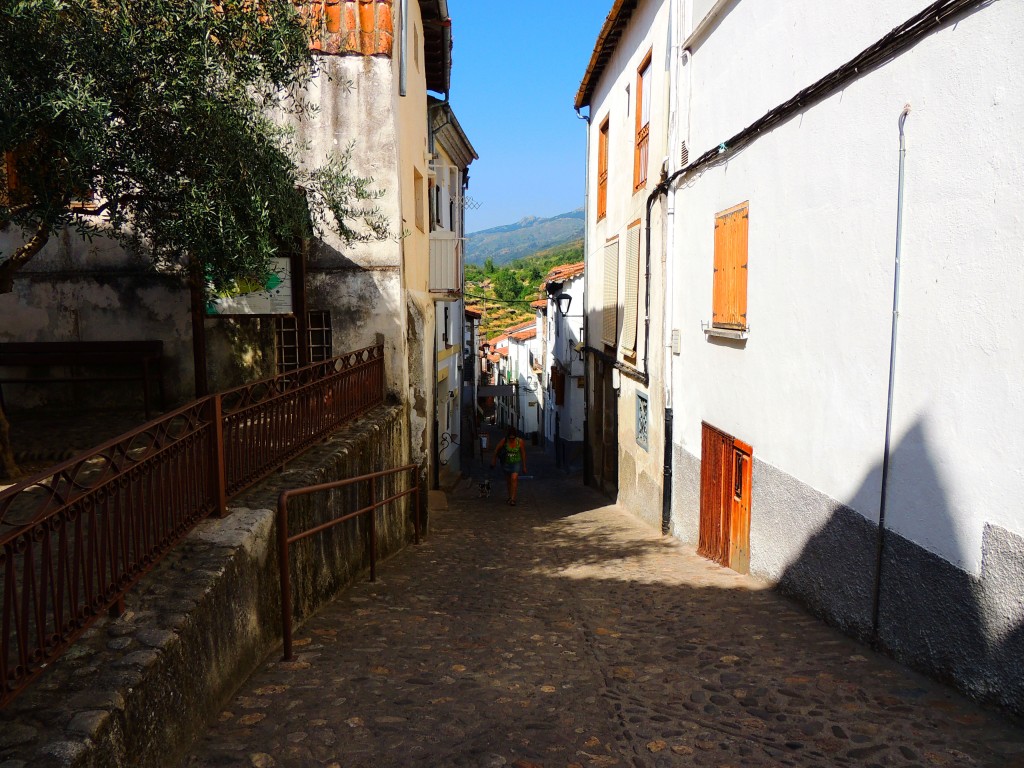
[
  {"x": 437, "y": 44},
  {"x": 607, "y": 39}
]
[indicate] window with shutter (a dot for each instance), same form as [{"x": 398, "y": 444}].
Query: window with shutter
[
  {"x": 602, "y": 171},
  {"x": 631, "y": 292},
  {"x": 610, "y": 302},
  {"x": 643, "y": 124},
  {"x": 729, "y": 301}
]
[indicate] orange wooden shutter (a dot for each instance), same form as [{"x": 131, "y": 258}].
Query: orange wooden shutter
[
  {"x": 602, "y": 171},
  {"x": 729, "y": 302},
  {"x": 643, "y": 119}
]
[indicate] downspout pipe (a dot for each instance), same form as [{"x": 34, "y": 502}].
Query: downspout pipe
[
  {"x": 587, "y": 467},
  {"x": 880, "y": 553},
  {"x": 403, "y": 55}
]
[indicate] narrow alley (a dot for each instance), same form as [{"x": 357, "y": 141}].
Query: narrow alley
[{"x": 562, "y": 632}]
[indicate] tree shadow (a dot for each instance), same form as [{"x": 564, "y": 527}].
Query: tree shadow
[{"x": 934, "y": 614}]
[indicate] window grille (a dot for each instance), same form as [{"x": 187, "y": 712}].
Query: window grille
[
  {"x": 287, "y": 338},
  {"x": 642, "y": 419},
  {"x": 321, "y": 337}
]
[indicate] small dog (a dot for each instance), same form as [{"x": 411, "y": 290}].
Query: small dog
[{"x": 485, "y": 489}]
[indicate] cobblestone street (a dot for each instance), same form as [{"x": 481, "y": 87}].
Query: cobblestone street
[{"x": 562, "y": 633}]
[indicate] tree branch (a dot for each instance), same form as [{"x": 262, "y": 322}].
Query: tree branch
[
  {"x": 13, "y": 211},
  {"x": 22, "y": 255}
]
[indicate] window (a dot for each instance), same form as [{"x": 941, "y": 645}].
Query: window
[
  {"x": 435, "y": 206},
  {"x": 631, "y": 294},
  {"x": 417, "y": 183},
  {"x": 729, "y": 301},
  {"x": 643, "y": 123},
  {"x": 602, "y": 171},
  {"x": 610, "y": 302},
  {"x": 643, "y": 411},
  {"x": 321, "y": 337},
  {"x": 286, "y": 337}
]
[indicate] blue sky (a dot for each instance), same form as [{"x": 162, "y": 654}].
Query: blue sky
[{"x": 515, "y": 71}]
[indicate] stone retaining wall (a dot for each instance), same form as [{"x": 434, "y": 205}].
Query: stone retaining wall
[{"x": 136, "y": 690}]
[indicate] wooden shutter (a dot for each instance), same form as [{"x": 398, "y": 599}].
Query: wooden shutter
[
  {"x": 631, "y": 293},
  {"x": 729, "y": 303},
  {"x": 602, "y": 171},
  {"x": 610, "y": 303},
  {"x": 643, "y": 123}
]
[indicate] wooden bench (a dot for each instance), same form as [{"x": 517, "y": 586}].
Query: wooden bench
[{"x": 84, "y": 361}]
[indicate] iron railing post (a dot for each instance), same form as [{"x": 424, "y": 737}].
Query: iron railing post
[
  {"x": 373, "y": 529},
  {"x": 286, "y": 586},
  {"x": 217, "y": 463},
  {"x": 416, "y": 508}
]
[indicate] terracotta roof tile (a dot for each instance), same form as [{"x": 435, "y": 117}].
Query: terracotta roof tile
[
  {"x": 362, "y": 27},
  {"x": 564, "y": 272},
  {"x": 529, "y": 333},
  {"x": 539, "y": 303}
]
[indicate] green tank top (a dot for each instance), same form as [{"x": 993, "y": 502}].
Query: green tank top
[{"x": 513, "y": 454}]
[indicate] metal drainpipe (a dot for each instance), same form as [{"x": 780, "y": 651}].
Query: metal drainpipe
[
  {"x": 403, "y": 70},
  {"x": 587, "y": 466},
  {"x": 880, "y": 554}
]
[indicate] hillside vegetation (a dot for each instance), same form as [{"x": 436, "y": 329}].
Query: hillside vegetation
[
  {"x": 504, "y": 292},
  {"x": 525, "y": 238}
]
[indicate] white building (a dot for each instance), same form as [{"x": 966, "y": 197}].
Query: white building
[
  {"x": 563, "y": 369},
  {"x": 867, "y": 467},
  {"x": 450, "y": 157},
  {"x": 624, "y": 88}
]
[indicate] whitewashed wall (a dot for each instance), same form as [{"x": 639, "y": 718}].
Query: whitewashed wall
[
  {"x": 614, "y": 97},
  {"x": 822, "y": 191},
  {"x": 808, "y": 388}
]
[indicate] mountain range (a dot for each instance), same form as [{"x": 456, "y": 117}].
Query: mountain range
[{"x": 527, "y": 236}]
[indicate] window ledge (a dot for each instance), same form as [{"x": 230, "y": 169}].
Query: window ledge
[{"x": 726, "y": 333}]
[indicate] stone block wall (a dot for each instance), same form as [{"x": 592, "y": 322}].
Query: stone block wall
[{"x": 136, "y": 690}]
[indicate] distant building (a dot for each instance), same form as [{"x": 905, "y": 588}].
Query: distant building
[
  {"x": 562, "y": 314},
  {"x": 450, "y": 157}
]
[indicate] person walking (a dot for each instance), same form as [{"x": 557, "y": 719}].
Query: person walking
[{"x": 513, "y": 461}]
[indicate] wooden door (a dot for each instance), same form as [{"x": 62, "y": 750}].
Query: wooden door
[
  {"x": 739, "y": 522},
  {"x": 725, "y": 493}
]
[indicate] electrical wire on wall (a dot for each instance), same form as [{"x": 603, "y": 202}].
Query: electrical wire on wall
[{"x": 900, "y": 38}]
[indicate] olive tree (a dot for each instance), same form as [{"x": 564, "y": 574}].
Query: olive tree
[{"x": 163, "y": 124}]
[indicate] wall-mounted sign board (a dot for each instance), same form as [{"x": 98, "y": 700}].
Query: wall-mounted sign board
[{"x": 271, "y": 295}]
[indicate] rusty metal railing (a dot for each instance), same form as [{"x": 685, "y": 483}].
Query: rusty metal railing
[
  {"x": 75, "y": 538},
  {"x": 272, "y": 421},
  {"x": 284, "y": 540}
]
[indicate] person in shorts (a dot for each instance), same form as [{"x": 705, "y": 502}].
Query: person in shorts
[{"x": 513, "y": 461}]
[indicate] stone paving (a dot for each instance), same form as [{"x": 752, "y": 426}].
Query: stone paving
[{"x": 563, "y": 633}]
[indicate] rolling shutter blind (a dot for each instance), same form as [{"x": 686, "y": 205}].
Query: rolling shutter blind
[
  {"x": 729, "y": 301},
  {"x": 631, "y": 294},
  {"x": 610, "y": 303}
]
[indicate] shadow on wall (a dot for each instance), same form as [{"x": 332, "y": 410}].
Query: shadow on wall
[{"x": 964, "y": 629}]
